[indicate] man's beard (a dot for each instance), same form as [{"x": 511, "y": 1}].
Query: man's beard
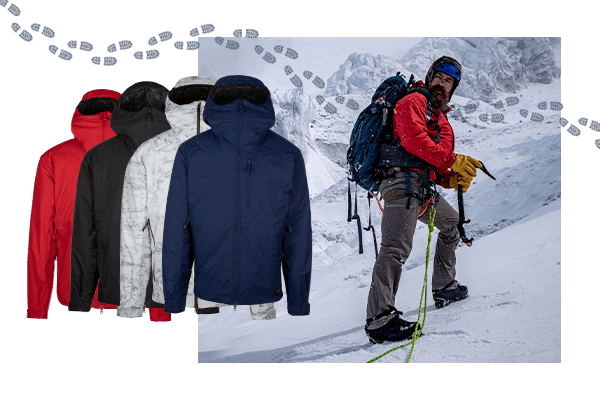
[{"x": 437, "y": 97}]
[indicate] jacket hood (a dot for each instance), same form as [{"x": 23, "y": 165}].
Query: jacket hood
[
  {"x": 185, "y": 104},
  {"x": 90, "y": 123},
  {"x": 140, "y": 112},
  {"x": 240, "y": 101}
]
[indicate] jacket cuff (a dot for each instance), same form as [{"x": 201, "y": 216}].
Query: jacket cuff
[
  {"x": 301, "y": 309},
  {"x": 37, "y": 312},
  {"x": 79, "y": 305},
  {"x": 129, "y": 312},
  {"x": 450, "y": 161},
  {"x": 176, "y": 305}
]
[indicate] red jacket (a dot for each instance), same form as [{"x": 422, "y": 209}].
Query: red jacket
[
  {"x": 410, "y": 126},
  {"x": 53, "y": 201}
]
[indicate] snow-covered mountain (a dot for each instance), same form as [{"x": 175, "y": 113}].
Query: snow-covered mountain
[
  {"x": 491, "y": 66},
  {"x": 513, "y": 268}
]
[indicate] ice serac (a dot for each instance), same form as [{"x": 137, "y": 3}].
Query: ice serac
[
  {"x": 492, "y": 67},
  {"x": 294, "y": 112},
  {"x": 360, "y": 72}
]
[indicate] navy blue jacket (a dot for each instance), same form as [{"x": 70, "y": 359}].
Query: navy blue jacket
[{"x": 238, "y": 206}]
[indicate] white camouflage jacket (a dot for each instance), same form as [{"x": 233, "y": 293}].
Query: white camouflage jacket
[{"x": 144, "y": 202}]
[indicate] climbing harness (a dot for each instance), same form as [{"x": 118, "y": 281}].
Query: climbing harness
[{"x": 418, "y": 331}]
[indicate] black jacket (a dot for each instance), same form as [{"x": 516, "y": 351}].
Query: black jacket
[{"x": 138, "y": 116}]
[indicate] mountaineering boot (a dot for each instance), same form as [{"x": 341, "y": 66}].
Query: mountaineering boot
[
  {"x": 394, "y": 330},
  {"x": 446, "y": 296}
]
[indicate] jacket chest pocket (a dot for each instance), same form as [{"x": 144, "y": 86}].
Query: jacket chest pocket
[{"x": 248, "y": 170}]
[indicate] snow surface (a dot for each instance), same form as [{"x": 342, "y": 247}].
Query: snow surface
[{"x": 513, "y": 312}]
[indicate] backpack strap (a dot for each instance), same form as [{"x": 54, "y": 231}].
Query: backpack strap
[
  {"x": 357, "y": 218},
  {"x": 370, "y": 227}
]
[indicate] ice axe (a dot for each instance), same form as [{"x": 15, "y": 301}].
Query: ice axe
[{"x": 461, "y": 210}]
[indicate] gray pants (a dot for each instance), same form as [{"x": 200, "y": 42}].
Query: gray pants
[{"x": 397, "y": 229}]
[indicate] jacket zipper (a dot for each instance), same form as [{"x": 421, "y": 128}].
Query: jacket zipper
[
  {"x": 237, "y": 205},
  {"x": 148, "y": 119},
  {"x": 96, "y": 236},
  {"x": 104, "y": 117},
  {"x": 198, "y": 118},
  {"x": 249, "y": 171},
  {"x": 152, "y": 248}
]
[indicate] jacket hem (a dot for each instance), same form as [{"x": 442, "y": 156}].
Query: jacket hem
[
  {"x": 159, "y": 315},
  {"x": 106, "y": 299},
  {"x": 241, "y": 301},
  {"x": 129, "y": 312}
]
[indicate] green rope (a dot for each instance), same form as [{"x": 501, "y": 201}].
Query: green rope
[{"x": 418, "y": 332}]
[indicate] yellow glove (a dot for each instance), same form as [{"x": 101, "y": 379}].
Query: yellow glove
[
  {"x": 455, "y": 179},
  {"x": 465, "y": 166}
]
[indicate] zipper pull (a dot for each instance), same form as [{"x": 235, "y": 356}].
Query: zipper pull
[
  {"x": 146, "y": 224},
  {"x": 101, "y": 308},
  {"x": 198, "y": 118},
  {"x": 234, "y": 306},
  {"x": 249, "y": 165},
  {"x": 149, "y": 115},
  {"x": 144, "y": 311},
  {"x": 187, "y": 222}
]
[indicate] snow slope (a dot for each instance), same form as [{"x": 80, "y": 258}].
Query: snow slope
[{"x": 512, "y": 270}]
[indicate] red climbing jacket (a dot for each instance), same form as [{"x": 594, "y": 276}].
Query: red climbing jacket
[
  {"x": 419, "y": 139},
  {"x": 53, "y": 201}
]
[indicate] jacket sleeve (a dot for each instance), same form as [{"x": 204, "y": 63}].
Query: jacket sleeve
[
  {"x": 42, "y": 242},
  {"x": 135, "y": 251},
  {"x": 443, "y": 179},
  {"x": 297, "y": 244},
  {"x": 178, "y": 249},
  {"x": 411, "y": 127},
  {"x": 84, "y": 271}
]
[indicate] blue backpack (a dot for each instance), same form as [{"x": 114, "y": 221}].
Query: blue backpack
[
  {"x": 373, "y": 149},
  {"x": 372, "y": 128}
]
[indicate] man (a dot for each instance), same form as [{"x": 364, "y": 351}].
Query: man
[{"x": 423, "y": 130}]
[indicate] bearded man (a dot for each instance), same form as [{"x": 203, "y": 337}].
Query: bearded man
[{"x": 422, "y": 129}]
